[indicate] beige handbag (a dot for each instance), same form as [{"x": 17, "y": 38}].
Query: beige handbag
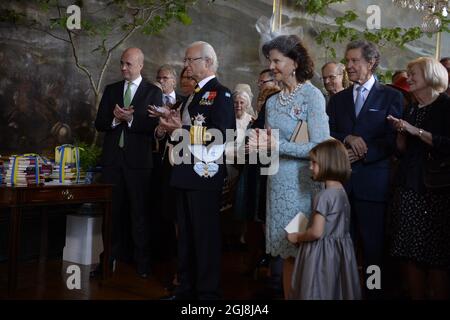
[{"x": 300, "y": 134}]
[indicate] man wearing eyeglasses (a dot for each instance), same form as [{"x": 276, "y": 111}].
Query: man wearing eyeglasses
[
  {"x": 333, "y": 78},
  {"x": 167, "y": 77},
  {"x": 199, "y": 183}
]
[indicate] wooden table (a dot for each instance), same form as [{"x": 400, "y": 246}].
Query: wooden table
[{"x": 16, "y": 198}]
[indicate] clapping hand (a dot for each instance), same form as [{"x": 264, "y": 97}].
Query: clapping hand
[
  {"x": 123, "y": 114},
  {"x": 402, "y": 126},
  {"x": 154, "y": 111},
  {"x": 171, "y": 122},
  {"x": 261, "y": 140}
]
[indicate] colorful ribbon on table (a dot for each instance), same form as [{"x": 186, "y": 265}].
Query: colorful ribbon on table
[
  {"x": 63, "y": 154},
  {"x": 30, "y": 156}
]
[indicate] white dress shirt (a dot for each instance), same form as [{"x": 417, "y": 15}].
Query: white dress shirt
[
  {"x": 367, "y": 86},
  {"x": 172, "y": 97}
]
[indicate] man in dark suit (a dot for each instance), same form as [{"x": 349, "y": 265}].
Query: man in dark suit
[
  {"x": 166, "y": 76},
  {"x": 127, "y": 154},
  {"x": 162, "y": 228},
  {"x": 358, "y": 118},
  {"x": 199, "y": 181}
]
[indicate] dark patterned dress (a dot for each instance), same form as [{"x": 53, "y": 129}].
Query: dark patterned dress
[{"x": 420, "y": 225}]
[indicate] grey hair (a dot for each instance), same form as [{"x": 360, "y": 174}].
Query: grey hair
[
  {"x": 369, "y": 51},
  {"x": 245, "y": 96},
  {"x": 207, "y": 52},
  {"x": 339, "y": 66},
  {"x": 169, "y": 68}
]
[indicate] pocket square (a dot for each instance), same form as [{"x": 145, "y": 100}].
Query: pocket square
[{"x": 374, "y": 110}]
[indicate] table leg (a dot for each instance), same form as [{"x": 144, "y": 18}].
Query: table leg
[
  {"x": 107, "y": 212},
  {"x": 44, "y": 235},
  {"x": 13, "y": 247}
]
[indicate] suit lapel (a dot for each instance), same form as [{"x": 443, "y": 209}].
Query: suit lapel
[
  {"x": 119, "y": 94},
  {"x": 139, "y": 92},
  {"x": 350, "y": 103}
]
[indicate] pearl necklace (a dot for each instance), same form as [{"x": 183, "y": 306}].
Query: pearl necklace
[{"x": 283, "y": 100}]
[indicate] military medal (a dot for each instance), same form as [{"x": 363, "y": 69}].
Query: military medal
[
  {"x": 208, "y": 98},
  {"x": 197, "y": 131}
]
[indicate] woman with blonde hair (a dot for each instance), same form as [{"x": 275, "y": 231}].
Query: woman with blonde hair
[
  {"x": 421, "y": 215},
  {"x": 238, "y": 171}
]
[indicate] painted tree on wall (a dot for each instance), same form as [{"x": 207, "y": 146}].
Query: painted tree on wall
[{"x": 100, "y": 26}]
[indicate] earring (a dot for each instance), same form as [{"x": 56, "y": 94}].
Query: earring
[{"x": 293, "y": 73}]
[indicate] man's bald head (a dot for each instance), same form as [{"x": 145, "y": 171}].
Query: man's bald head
[{"x": 131, "y": 63}]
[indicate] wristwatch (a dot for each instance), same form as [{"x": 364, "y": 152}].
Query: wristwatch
[{"x": 420, "y": 132}]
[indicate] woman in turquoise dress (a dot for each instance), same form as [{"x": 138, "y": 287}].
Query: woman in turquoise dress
[{"x": 291, "y": 189}]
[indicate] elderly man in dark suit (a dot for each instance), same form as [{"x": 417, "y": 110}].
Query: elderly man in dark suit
[
  {"x": 127, "y": 155},
  {"x": 199, "y": 181},
  {"x": 357, "y": 117}
]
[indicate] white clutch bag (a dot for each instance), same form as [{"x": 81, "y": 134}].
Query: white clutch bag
[{"x": 297, "y": 224}]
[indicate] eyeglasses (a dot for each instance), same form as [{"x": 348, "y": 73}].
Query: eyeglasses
[
  {"x": 190, "y": 60},
  {"x": 261, "y": 82},
  {"x": 332, "y": 77}
]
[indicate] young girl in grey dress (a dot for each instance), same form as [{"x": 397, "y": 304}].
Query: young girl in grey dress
[{"x": 325, "y": 266}]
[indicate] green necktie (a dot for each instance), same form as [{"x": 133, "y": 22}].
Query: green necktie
[{"x": 126, "y": 104}]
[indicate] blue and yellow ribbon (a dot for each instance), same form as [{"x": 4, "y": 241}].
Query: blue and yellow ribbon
[
  {"x": 14, "y": 170},
  {"x": 36, "y": 164},
  {"x": 15, "y": 158},
  {"x": 63, "y": 153}
]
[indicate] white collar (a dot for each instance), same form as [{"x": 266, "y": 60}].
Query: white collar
[
  {"x": 205, "y": 81},
  {"x": 172, "y": 95},
  {"x": 367, "y": 85},
  {"x": 136, "y": 81}
]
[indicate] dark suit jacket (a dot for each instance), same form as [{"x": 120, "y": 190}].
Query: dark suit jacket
[
  {"x": 178, "y": 99},
  {"x": 219, "y": 115},
  {"x": 138, "y": 138},
  {"x": 413, "y": 159},
  {"x": 370, "y": 176}
]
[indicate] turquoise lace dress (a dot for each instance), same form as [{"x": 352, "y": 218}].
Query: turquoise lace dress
[{"x": 291, "y": 189}]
